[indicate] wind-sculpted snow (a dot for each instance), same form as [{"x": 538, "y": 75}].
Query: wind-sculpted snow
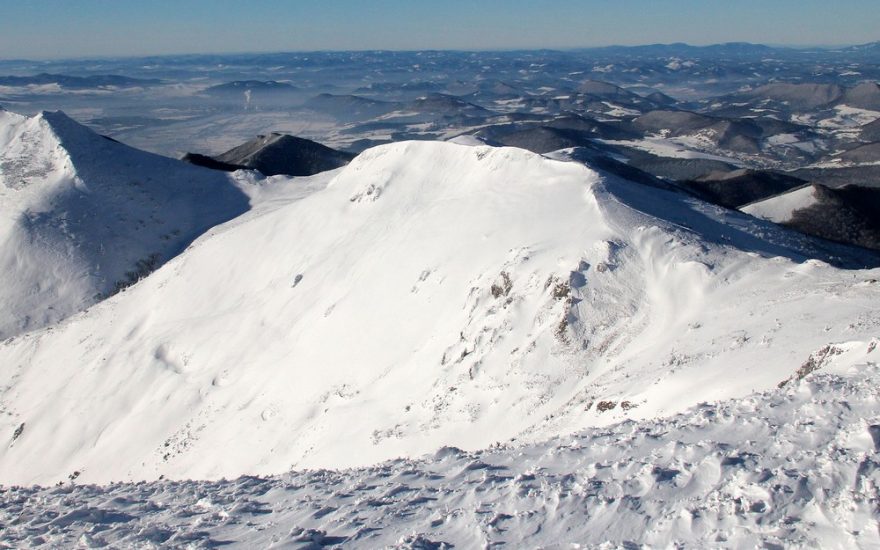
[
  {"x": 82, "y": 216},
  {"x": 790, "y": 467},
  {"x": 432, "y": 294}
]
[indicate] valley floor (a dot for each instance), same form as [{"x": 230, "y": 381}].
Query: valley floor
[{"x": 791, "y": 467}]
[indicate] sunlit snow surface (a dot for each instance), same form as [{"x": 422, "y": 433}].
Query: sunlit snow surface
[
  {"x": 781, "y": 208},
  {"x": 433, "y": 295},
  {"x": 792, "y": 467},
  {"x": 82, "y": 216},
  {"x": 430, "y": 294}
]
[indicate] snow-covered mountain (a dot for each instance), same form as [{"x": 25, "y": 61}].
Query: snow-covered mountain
[
  {"x": 427, "y": 294},
  {"x": 82, "y": 216}
]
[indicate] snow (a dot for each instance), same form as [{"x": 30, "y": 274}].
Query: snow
[
  {"x": 400, "y": 114},
  {"x": 469, "y": 140},
  {"x": 791, "y": 467},
  {"x": 781, "y": 208},
  {"x": 783, "y": 139},
  {"x": 618, "y": 111},
  {"x": 684, "y": 147},
  {"x": 509, "y": 105},
  {"x": 82, "y": 216},
  {"x": 849, "y": 117},
  {"x": 438, "y": 345},
  {"x": 792, "y": 140},
  {"x": 426, "y": 295}
]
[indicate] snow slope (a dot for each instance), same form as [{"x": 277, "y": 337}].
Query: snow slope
[
  {"x": 82, "y": 215},
  {"x": 795, "y": 467},
  {"x": 781, "y": 208},
  {"x": 432, "y": 294}
]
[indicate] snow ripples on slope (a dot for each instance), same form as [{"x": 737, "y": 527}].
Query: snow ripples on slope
[
  {"x": 432, "y": 294},
  {"x": 790, "y": 467}
]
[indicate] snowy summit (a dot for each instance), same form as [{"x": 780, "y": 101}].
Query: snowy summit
[
  {"x": 429, "y": 294},
  {"x": 428, "y": 299}
]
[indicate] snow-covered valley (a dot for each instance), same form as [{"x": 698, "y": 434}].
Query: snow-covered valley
[{"x": 428, "y": 295}]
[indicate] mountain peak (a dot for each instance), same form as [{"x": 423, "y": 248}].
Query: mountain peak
[
  {"x": 84, "y": 216},
  {"x": 279, "y": 153},
  {"x": 71, "y": 132},
  {"x": 430, "y": 294}
]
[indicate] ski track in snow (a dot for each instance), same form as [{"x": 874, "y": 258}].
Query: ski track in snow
[{"x": 791, "y": 467}]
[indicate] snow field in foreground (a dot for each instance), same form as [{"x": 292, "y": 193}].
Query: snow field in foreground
[{"x": 790, "y": 467}]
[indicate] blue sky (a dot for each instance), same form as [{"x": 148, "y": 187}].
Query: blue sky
[{"x": 70, "y": 28}]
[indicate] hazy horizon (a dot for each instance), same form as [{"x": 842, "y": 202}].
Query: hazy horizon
[
  {"x": 411, "y": 50},
  {"x": 53, "y": 29}
]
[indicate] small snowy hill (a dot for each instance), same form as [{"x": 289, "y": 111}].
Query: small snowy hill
[
  {"x": 432, "y": 294},
  {"x": 849, "y": 214},
  {"x": 781, "y": 208},
  {"x": 82, "y": 216}
]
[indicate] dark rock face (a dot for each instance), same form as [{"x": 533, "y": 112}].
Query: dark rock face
[
  {"x": 276, "y": 153},
  {"x": 209, "y": 162}
]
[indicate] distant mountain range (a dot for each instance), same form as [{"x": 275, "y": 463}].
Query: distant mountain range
[
  {"x": 77, "y": 82},
  {"x": 259, "y": 86},
  {"x": 728, "y": 48}
]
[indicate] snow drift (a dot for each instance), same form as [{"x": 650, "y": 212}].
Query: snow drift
[
  {"x": 82, "y": 216},
  {"x": 790, "y": 467},
  {"x": 431, "y": 294}
]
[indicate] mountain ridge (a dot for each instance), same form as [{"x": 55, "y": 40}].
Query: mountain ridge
[
  {"x": 84, "y": 216},
  {"x": 508, "y": 293}
]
